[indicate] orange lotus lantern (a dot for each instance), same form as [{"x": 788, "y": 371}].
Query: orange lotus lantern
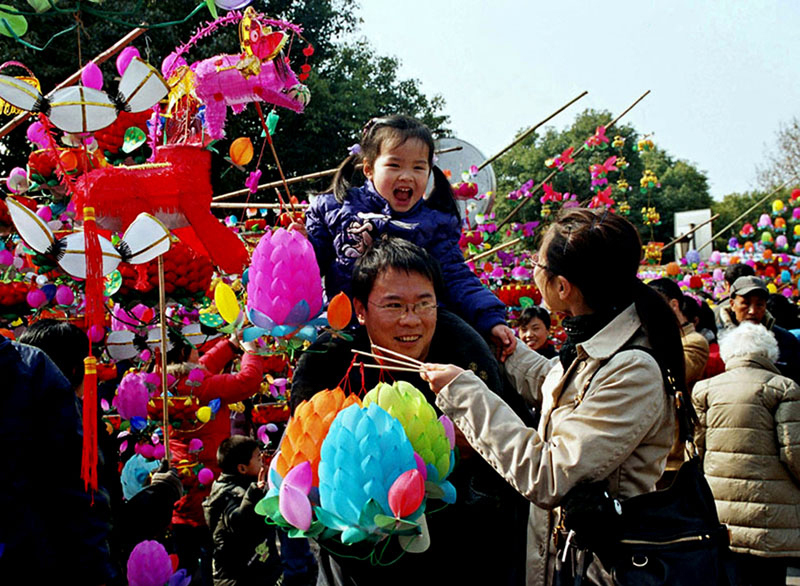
[
  {"x": 673, "y": 269},
  {"x": 308, "y": 427}
]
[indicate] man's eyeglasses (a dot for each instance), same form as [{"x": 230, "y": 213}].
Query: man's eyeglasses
[{"x": 398, "y": 310}]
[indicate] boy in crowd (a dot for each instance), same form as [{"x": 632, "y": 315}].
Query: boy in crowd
[{"x": 244, "y": 545}]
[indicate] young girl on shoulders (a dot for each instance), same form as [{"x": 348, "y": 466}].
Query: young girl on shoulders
[{"x": 397, "y": 157}]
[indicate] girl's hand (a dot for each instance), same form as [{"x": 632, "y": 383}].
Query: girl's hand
[
  {"x": 505, "y": 339},
  {"x": 298, "y": 227},
  {"x": 439, "y": 375}
]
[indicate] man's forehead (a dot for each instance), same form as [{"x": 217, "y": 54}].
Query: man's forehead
[{"x": 750, "y": 297}]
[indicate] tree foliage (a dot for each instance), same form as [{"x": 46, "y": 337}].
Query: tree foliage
[
  {"x": 349, "y": 83},
  {"x": 683, "y": 186}
]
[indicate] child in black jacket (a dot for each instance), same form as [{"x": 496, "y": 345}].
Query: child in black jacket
[{"x": 244, "y": 545}]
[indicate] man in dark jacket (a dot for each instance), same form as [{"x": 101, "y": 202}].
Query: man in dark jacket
[
  {"x": 50, "y": 531},
  {"x": 749, "y": 303},
  {"x": 481, "y": 538}
]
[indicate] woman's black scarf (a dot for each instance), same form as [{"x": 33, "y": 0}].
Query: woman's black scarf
[{"x": 581, "y": 328}]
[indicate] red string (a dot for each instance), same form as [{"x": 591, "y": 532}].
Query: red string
[
  {"x": 363, "y": 383},
  {"x": 344, "y": 384}
]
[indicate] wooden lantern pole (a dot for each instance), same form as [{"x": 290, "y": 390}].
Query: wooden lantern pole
[
  {"x": 162, "y": 309},
  {"x": 530, "y": 131}
]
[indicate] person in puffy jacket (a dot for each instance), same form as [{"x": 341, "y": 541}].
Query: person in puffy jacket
[
  {"x": 749, "y": 435},
  {"x": 397, "y": 154}
]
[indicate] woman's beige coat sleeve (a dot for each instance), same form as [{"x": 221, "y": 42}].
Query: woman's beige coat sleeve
[
  {"x": 527, "y": 370},
  {"x": 625, "y": 401}
]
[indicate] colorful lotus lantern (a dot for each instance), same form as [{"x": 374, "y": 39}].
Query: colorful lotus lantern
[
  {"x": 365, "y": 451},
  {"x": 284, "y": 290},
  {"x": 354, "y": 473},
  {"x": 427, "y": 434},
  {"x": 309, "y": 426}
]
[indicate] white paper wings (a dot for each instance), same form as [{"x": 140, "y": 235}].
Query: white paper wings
[{"x": 82, "y": 109}]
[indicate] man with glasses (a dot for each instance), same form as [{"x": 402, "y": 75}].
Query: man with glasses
[{"x": 481, "y": 538}]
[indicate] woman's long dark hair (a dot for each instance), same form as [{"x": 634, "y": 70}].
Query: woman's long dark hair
[
  {"x": 599, "y": 252},
  {"x": 388, "y": 131}
]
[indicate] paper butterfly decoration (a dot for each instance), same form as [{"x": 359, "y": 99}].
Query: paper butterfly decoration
[
  {"x": 83, "y": 109},
  {"x": 145, "y": 239}
]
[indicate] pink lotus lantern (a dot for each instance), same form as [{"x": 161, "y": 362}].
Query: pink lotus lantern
[
  {"x": 284, "y": 289},
  {"x": 132, "y": 396}
]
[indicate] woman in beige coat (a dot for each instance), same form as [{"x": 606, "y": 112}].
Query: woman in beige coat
[
  {"x": 605, "y": 412},
  {"x": 749, "y": 435}
]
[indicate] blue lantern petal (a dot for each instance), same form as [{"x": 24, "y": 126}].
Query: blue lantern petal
[
  {"x": 449, "y": 492},
  {"x": 250, "y": 334},
  {"x": 259, "y": 319},
  {"x": 299, "y": 314},
  {"x": 307, "y": 333}
]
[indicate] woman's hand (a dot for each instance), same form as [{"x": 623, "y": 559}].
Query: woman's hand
[
  {"x": 250, "y": 347},
  {"x": 235, "y": 340},
  {"x": 439, "y": 375},
  {"x": 505, "y": 339}
]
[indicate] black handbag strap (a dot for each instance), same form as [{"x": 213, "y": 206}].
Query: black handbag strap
[{"x": 684, "y": 410}]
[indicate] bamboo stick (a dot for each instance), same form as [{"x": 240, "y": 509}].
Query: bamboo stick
[
  {"x": 254, "y": 205},
  {"x": 162, "y": 309},
  {"x": 376, "y": 357},
  {"x": 388, "y": 367},
  {"x": 579, "y": 150},
  {"x": 493, "y": 250},
  {"x": 393, "y": 353},
  {"x": 528, "y": 132},
  {"x": 301, "y": 178},
  {"x": 101, "y": 58}
]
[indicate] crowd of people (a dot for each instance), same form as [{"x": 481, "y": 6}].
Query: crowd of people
[{"x": 535, "y": 420}]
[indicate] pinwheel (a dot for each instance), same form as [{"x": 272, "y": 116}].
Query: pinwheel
[
  {"x": 598, "y": 139},
  {"x": 560, "y": 161},
  {"x": 602, "y": 199}
]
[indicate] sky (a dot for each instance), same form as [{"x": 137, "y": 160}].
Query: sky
[{"x": 723, "y": 75}]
